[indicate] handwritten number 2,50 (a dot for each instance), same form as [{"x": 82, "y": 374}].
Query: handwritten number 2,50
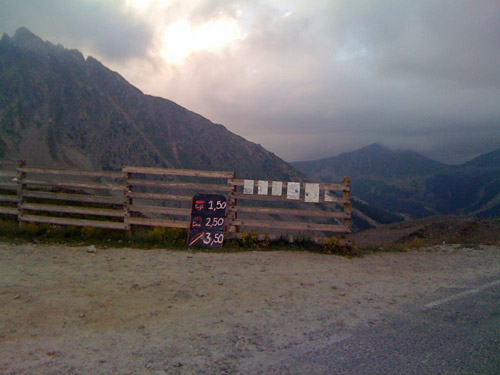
[{"x": 214, "y": 222}]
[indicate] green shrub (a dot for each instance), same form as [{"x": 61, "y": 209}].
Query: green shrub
[{"x": 171, "y": 236}]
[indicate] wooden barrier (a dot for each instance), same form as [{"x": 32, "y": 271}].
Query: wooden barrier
[
  {"x": 162, "y": 197},
  {"x": 45, "y": 196},
  {"x": 274, "y": 214},
  {"x": 9, "y": 187},
  {"x": 140, "y": 196}
]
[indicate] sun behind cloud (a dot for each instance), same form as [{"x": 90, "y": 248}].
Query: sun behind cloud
[{"x": 182, "y": 38}]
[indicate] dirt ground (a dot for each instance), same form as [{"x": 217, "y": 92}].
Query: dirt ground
[{"x": 73, "y": 310}]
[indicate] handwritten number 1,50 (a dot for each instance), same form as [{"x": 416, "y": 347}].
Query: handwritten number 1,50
[{"x": 219, "y": 205}]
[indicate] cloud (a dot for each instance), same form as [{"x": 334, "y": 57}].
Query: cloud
[{"x": 306, "y": 79}]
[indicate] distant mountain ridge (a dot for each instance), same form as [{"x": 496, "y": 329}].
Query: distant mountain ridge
[
  {"x": 373, "y": 161},
  {"x": 59, "y": 109},
  {"x": 411, "y": 185}
]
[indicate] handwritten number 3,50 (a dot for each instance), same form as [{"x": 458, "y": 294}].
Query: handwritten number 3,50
[{"x": 218, "y": 238}]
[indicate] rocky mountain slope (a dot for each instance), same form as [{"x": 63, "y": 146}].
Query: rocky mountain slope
[
  {"x": 411, "y": 185},
  {"x": 59, "y": 109}
]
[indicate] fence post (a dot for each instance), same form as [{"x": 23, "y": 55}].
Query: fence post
[
  {"x": 232, "y": 204},
  {"x": 20, "y": 188},
  {"x": 127, "y": 202},
  {"x": 348, "y": 210}
]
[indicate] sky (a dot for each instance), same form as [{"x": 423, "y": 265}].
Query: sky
[{"x": 306, "y": 79}]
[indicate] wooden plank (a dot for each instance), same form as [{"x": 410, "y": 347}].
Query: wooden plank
[
  {"x": 8, "y": 185},
  {"x": 73, "y": 210},
  {"x": 322, "y": 186},
  {"x": 72, "y": 172},
  {"x": 75, "y": 185},
  {"x": 76, "y": 222},
  {"x": 335, "y": 187},
  {"x": 8, "y": 198},
  {"x": 9, "y": 174},
  {"x": 8, "y": 210},
  {"x": 290, "y": 225},
  {"x": 182, "y": 185},
  {"x": 179, "y": 172},
  {"x": 162, "y": 197},
  {"x": 10, "y": 162},
  {"x": 283, "y": 198},
  {"x": 72, "y": 197},
  {"x": 160, "y": 210},
  {"x": 286, "y": 211},
  {"x": 157, "y": 222}
]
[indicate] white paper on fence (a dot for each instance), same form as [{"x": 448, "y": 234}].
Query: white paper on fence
[
  {"x": 277, "y": 188},
  {"x": 311, "y": 193},
  {"x": 329, "y": 197},
  {"x": 248, "y": 187},
  {"x": 263, "y": 187},
  {"x": 293, "y": 190}
]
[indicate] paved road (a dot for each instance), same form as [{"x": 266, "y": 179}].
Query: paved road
[{"x": 457, "y": 334}]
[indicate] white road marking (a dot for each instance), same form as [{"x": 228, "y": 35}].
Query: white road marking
[{"x": 460, "y": 295}]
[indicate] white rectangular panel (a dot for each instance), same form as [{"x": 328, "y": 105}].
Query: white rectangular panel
[
  {"x": 248, "y": 186},
  {"x": 329, "y": 197},
  {"x": 293, "y": 190},
  {"x": 277, "y": 188},
  {"x": 263, "y": 187},
  {"x": 311, "y": 193}
]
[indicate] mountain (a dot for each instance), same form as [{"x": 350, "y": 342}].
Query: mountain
[
  {"x": 58, "y": 109},
  {"x": 410, "y": 185},
  {"x": 373, "y": 161}
]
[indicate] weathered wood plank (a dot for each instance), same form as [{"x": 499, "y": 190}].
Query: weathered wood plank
[
  {"x": 335, "y": 187},
  {"x": 8, "y": 198},
  {"x": 75, "y": 185},
  {"x": 73, "y": 210},
  {"x": 76, "y": 222},
  {"x": 179, "y": 172},
  {"x": 286, "y": 211},
  {"x": 10, "y": 162},
  {"x": 181, "y": 185},
  {"x": 157, "y": 222},
  {"x": 72, "y": 197},
  {"x": 160, "y": 210},
  {"x": 322, "y": 186},
  {"x": 290, "y": 225},
  {"x": 8, "y": 210},
  {"x": 72, "y": 172},
  {"x": 8, "y": 185},
  {"x": 283, "y": 198},
  {"x": 162, "y": 197},
  {"x": 9, "y": 174}
]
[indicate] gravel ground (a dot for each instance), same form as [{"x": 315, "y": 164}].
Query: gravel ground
[{"x": 79, "y": 310}]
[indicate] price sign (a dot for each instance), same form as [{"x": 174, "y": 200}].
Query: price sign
[{"x": 208, "y": 219}]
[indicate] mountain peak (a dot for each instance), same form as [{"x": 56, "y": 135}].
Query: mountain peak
[{"x": 24, "y": 36}]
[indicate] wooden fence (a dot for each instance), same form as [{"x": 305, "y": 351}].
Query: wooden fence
[{"x": 139, "y": 196}]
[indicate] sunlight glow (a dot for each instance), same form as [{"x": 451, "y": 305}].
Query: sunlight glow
[{"x": 183, "y": 38}]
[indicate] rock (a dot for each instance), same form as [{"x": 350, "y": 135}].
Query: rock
[{"x": 91, "y": 249}]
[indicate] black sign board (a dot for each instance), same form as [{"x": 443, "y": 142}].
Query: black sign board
[{"x": 208, "y": 219}]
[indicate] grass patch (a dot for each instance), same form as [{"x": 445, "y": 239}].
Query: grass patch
[{"x": 153, "y": 238}]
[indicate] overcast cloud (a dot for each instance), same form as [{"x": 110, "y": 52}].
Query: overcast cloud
[{"x": 306, "y": 79}]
